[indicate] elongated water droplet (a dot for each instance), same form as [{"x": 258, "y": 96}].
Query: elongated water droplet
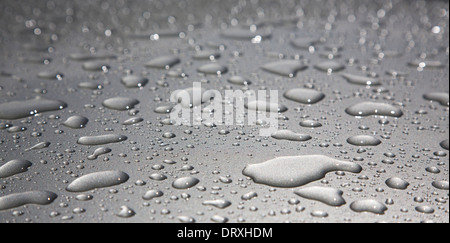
[
  {"x": 287, "y": 68},
  {"x": 296, "y": 171},
  {"x": 327, "y": 195},
  {"x": 97, "y": 180},
  {"x": 441, "y": 97},
  {"x": 443, "y": 185},
  {"x": 261, "y": 105},
  {"x": 76, "y": 122},
  {"x": 150, "y": 194},
  {"x": 363, "y": 140},
  {"x": 368, "y": 205},
  {"x": 40, "y": 145},
  {"x": 310, "y": 123},
  {"x": 397, "y": 183},
  {"x": 134, "y": 81},
  {"x": 133, "y": 120},
  {"x": 361, "y": 80},
  {"x": 120, "y": 103},
  {"x": 32, "y": 197},
  {"x": 304, "y": 96},
  {"x": 164, "y": 62},
  {"x": 374, "y": 108},
  {"x": 98, "y": 152},
  {"x": 213, "y": 68},
  {"x": 21, "y": 109},
  {"x": 14, "y": 167},
  {"x": 329, "y": 66},
  {"x": 290, "y": 135},
  {"x": 218, "y": 203},
  {"x": 244, "y": 34},
  {"x": 185, "y": 182},
  {"x": 238, "y": 80},
  {"x": 101, "y": 139}
]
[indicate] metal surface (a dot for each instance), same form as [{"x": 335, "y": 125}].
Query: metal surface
[{"x": 370, "y": 38}]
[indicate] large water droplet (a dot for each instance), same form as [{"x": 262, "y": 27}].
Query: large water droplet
[
  {"x": 397, "y": 183},
  {"x": 76, "y": 122},
  {"x": 304, "y": 96},
  {"x": 101, "y": 139},
  {"x": 14, "y": 167},
  {"x": 32, "y": 197},
  {"x": 21, "y": 109},
  {"x": 290, "y": 135},
  {"x": 327, "y": 195},
  {"x": 361, "y": 80},
  {"x": 368, "y": 205},
  {"x": 374, "y": 108},
  {"x": 185, "y": 182},
  {"x": 134, "y": 81},
  {"x": 97, "y": 180},
  {"x": 363, "y": 140},
  {"x": 213, "y": 68},
  {"x": 261, "y": 105},
  {"x": 164, "y": 62},
  {"x": 120, "y": 103},
  {"x": 441, "y": 97},
  {"x": 296, "y": 170},
  {"x": 287, "y": 68}
]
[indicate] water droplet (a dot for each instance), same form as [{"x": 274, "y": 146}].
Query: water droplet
[
  {"x": 287, "y": 68},
  {"x": 98, "y": 152},
  {"x": 327, "y": 195},
  {"x": 296, "y": 171},
  {"x": 363, "y": 140},
  {"x": 261, "y": 105},
  {"x": 244, "y": 34},
  {"x": 14, "y": 167},
  {"x": 150, "y": 194},
  {"x": 21, "y": 109},
  {"x": 374, "y": 108},
  {"x": 238, "y": 80},
  {"x": 95, "y": 66},
  {"x": 164, "y": 62},
  {"x": 134, "y": 81},
  {"x": 445, "y": 144},
  {"x": 185, "y": 182},
  {"x": 368, "y": 205},
  {"x": 76, "y": 122},
  {"x": 32, "y": 197},
  {"x": 126, "y": 212},
  {"x": 424, "y": 209},
  {"x": 397, "y": 183},
  {"x": 310, "y": 123},
  {"x": 361, "y": 80},
  {"x": 218, "y": 203},
  {"x": 441, "y": 97},
  {"x": 443, "y": 185},
  {"x": 213, "y": 68},
  {"x": 206, "y": 55},
  {"x": 101, "y": 139},
  {"x": 97, "y": 180},
  {"x": 304, "y": 96},
  {"x": 329, "y": 66},
  {"x": 132, "y": 120},
  {"x": 120, "y": 103},
  {"x": 290, "y": 135},
  {"x": 40, "y": 145}
]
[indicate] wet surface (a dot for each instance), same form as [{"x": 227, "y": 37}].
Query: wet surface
[{"x": 362, "y": 111}]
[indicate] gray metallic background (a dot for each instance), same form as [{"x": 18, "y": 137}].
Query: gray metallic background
[{"x": 361, "y": 29}]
